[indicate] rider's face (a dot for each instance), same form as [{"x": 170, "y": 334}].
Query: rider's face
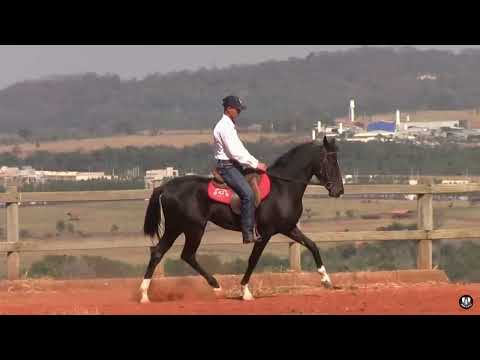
[{"x": 232, "y": 112}]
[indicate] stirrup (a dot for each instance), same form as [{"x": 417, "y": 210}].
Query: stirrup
[{"x": 253, "y": 239}]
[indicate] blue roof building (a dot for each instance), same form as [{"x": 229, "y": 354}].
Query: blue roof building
[{"x": 382, "y": 126}]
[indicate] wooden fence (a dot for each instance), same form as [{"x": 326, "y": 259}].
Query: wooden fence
[{"x": 425, "y": 234}]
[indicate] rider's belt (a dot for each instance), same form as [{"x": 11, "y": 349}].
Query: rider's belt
[{"x": 225, "y": 162}]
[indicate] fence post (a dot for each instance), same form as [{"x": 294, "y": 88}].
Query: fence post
[
  {"x": 425, "y": 222},
  {"x": 295, "y": 256},
  {"x": 13, "y": 258}
]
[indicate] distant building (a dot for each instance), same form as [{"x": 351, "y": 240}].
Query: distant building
[
  {"x": 424, "y": 77},
  {"x": 455, "y": 182},
  {"x": 154, "y": 178},
  {"x": 45, "y": 176},
  {"x": 388, "y": 127},
  {"x": 431, "y": 125},
  {"x": 371, "y": 136},
  {"x": 28, "y": 175},
  {"x": 83, "y": 176},
  {"x": 9, "y": 176}
]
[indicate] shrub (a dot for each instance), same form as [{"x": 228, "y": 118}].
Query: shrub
[
  {"x": 60, "y": 226},
  {"x": 398, "y": 227},
  {"x": 371, "y": 217},
  {"x": 70, "y": 228},
  {"x": 350, "y": 214}
]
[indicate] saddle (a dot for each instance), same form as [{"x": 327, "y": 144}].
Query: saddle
[{"x": 219, "y": 191}]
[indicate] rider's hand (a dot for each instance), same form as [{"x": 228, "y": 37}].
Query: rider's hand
[{"x": 262, "y": 167}]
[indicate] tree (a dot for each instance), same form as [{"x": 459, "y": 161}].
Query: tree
[
  {"x": 25, "y": 133},
  {"x": 60, "y": 226}
]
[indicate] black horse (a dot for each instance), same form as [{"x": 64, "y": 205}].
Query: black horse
[{"x": 186, "y": 209}]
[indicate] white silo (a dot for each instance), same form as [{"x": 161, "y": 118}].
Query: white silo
[{"x": 352, "y": 111}]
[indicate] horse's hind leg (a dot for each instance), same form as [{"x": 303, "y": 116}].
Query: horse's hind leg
[
  {"x": 193, "y": 238},
  {"x": 156, "y": 255}
]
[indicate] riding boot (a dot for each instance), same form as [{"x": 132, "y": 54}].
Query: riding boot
[{"x": 250, "y": 237}]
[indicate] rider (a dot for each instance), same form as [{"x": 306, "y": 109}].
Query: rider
[{"x": 231, "y": 155}]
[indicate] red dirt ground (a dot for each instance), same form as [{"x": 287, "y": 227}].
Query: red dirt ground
[{"x": 178, "y": 296}]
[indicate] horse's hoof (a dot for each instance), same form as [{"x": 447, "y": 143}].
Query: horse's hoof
[
  {"x": 327, "y": 285},
  {"x": 247, "y": 295},
  {"x": 326, "y": 282},
  {"x": 218, "y": 292}
]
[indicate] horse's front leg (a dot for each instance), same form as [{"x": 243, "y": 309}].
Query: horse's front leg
[
  {"x": 299, "y": 237},
  {"x": 252, "y": 263}
]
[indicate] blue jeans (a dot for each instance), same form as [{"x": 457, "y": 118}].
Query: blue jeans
[{"x": 234, "y": 178}]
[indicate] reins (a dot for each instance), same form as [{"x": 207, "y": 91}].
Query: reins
[{"x": 299, "y": 181}]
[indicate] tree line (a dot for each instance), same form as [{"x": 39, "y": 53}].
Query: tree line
[{"x": 370, "y": 158}]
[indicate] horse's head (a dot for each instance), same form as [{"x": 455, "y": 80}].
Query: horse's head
[{"x": 326, "y": 168}]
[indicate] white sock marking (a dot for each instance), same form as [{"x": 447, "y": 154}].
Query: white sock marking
[
  {"x": 144, "y": 290},
  {"x": 325, "y": 278},
  {"x": 247, "y": 295}
]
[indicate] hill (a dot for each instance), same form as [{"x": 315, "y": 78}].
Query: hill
[
  {"x": 293, "y": 93},
  {"x": 173, "y": 139}
]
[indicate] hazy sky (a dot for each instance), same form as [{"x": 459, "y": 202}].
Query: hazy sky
[{"x": 23, "y": 62}]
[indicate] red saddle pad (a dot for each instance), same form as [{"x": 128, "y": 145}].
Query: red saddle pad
[{"x": 224, "y": 196}]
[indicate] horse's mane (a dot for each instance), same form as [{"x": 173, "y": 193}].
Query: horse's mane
[{"x": 298, "y": 153}]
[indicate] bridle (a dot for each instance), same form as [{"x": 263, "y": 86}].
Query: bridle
[{"x": 328, "y": 184}]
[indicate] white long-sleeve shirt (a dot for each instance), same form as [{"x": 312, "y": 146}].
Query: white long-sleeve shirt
[{"x": 228, "y": 145}]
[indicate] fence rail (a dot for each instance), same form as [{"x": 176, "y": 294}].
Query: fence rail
[
  {"x": 74, "y": 196},
  {"x": 424, "y": 235}
]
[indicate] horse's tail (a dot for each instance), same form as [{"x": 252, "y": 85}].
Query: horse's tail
[{"x": 153, "y": 216}]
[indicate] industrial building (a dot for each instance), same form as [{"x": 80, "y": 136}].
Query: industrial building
[
  {"x": 154, "y": 178},
  {"x": 28, "y": 175}
]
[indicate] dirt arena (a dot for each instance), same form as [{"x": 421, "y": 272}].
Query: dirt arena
[{"x": 392, "y": 293}]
